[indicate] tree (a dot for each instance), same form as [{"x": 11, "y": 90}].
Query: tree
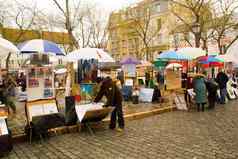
[
  {"x": 23, "y": 15},
  {"x": 224, "y": 22},
  {"x": 71, "y": 17},
  {"x": 98, "y": 29},
  {"x": 145, "y": 26},
  {"x": 193, "y": 14}
]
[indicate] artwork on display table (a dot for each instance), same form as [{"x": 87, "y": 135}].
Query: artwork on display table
[
  {"x": 48, "y": 72},
  {"x": 129, "y": 82},
  {"x": 3, "y": 127},
  {"x": 32, "y": 73},
  {"x": 48, "y": 83},
  {"x": 33, "y": 82},
  {"x": 86, "y": 90},
  {"x": 146, "y": 94},
  {"x": 40, "y": 72},
  {"x": 40, "y": 83},
  {"x": 41, "y": 108},
  {"x": 83, "y": 108},
  {"x": 48, "y": 93}
]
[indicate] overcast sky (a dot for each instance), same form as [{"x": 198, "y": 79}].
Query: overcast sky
[{"x": 109, "y": 5}]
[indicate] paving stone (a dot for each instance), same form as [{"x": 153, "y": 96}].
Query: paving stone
[{"x": 174, "y": 135}]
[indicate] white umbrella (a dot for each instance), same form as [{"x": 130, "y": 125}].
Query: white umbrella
[
  {"x": 89, "y": 53},
  {"x": 61, "y": 71},
  {"x": 227, "y": 58},
  {"x": 192, "y": 52},
  {"x": 6, "y": 47},
  {"x": 173, "y": 65}
]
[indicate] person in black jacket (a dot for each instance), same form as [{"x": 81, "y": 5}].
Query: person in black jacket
[
  {"x": 212, "y": 87},
  {"x": 222, "y": 80},
  {"x": 110, "y": 90}
]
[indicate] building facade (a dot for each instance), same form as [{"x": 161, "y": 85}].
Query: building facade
[
  {"x": 126, "y": 28},
  {"x": 124, "y": 38}
]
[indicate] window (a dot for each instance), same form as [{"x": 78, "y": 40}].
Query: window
[
  {"x": 156, "y": 8},
  {"x": 159, "y": 38},
  {"x": 124, "y": 43},
  {"x": 159, "y": 23}
]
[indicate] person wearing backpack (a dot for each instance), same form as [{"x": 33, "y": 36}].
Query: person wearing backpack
[{"x": 212, "y": 87}]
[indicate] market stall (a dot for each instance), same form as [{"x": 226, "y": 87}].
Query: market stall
[
  {"x": 41, "y": 107},
  {"x": 129, "y": 70},
  {"x": 80, "y": 102}
]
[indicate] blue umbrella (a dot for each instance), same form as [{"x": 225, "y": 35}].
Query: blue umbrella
[
  {"x": 40, "y": 46},
  {"x": 173, "y": 55}
]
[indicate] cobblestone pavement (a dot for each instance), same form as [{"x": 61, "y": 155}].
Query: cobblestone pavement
[
  {"x": 17, "y": 121},
  {"x": 186, "y": 135}
]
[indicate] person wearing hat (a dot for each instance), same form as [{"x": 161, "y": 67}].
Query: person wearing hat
[
  {"x": 113, "y": 94},
  {"x": 199, "y": 87}
]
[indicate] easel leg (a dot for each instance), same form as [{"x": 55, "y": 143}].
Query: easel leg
[
  {"x": 89, "y": 128},
  {"x": 30, "y": 135}
]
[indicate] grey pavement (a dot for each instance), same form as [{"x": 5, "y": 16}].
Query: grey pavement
[{"x": 186, "y": 135}]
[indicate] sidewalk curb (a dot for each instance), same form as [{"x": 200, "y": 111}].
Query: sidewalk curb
[{"x": 76, "y": 128}]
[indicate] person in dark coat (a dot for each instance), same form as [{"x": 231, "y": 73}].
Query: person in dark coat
[
  {"x": 200, "y": 91},
  {"x": 110, "y": 90},
  {"x": 212, "y": 87},
  {"x": 222, "y": 80},
  {"x": 147, "y": 79},
  {"x": 120, "y": 77}
]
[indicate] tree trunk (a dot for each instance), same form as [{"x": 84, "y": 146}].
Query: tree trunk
[
  {"x": 197, "y": 39},
  {"x": 219, "y": 46},
  {"x": 7, "y": 61},
  {"x": 147, "y": 54},
  {"x": 204, "y": 47}
]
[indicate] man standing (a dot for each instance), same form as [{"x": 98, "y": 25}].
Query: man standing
[
  {"x": 212, "y": 87},
  {"x": 222, "y": 80},
  {"x": 114, "y": 98}
]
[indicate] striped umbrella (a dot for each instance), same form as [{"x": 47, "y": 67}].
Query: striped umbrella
[{"x": 40, "y": 46}]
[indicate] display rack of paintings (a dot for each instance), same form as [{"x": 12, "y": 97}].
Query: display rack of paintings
[{"x": 40, "y": 83}]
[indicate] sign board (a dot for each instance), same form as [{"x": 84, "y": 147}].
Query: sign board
[
  {"x": 180, "y": 102},
  {"x": 173, "y": 79},
  {"x": 130, "y": 70},
  {"x": 3, "y": 127},
  {"x": 129, "y": 82},
  {"x": 146, "y": 94},
  {"x": 41, "y": 107}
]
